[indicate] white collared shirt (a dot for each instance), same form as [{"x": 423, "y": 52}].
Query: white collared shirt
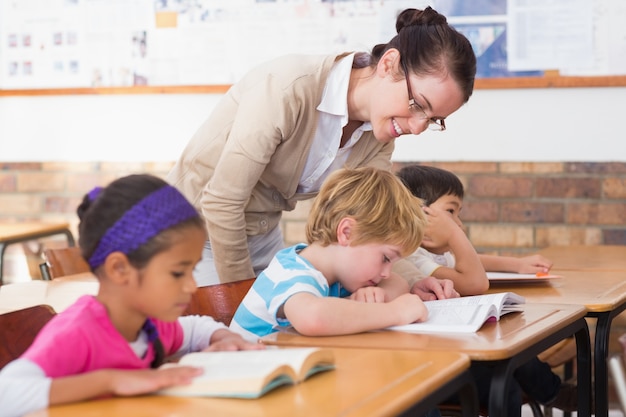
[{"x": 325, "y": 156}]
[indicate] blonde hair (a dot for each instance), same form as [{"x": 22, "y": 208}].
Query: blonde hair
[{"x": 384, "y": 210}]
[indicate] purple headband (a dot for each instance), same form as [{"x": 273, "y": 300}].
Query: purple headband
[{"x": 160, "y": 210}]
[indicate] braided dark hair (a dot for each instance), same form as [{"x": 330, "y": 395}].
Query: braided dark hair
[{"x": 428, "y": 45}]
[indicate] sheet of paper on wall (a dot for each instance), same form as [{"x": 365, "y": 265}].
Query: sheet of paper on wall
[
  {"x": 513, "y": 278},
  {"x": 550, "y": 35}
]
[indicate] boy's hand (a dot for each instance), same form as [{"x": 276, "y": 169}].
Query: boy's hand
[
  {"x": 223, "y": 339},
  {"x": 440, "y": 228},
  {"x": 411, "y": 309},
  {"x": 533, "y": 264},
  {"x": 369, "y": 295},
  {"x": 431, "y": 288}
]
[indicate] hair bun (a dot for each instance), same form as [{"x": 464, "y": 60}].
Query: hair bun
[{"x": 416, "y": 17}]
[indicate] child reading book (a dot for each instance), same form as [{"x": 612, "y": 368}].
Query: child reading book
[
  {"x": 446, "y": 252},
  {"x": 142, "y": 239},
  {"x": 362, "y": 221}
]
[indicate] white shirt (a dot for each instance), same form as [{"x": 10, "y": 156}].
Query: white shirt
[
  {"x": 325, "y": 156},
  {"x": 427, "y": 262}
]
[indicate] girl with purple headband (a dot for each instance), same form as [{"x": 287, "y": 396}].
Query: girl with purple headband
[{"x": 142, "y": 239}]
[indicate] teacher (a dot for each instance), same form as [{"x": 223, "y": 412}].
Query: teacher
[{"x": 278, "y": 132}]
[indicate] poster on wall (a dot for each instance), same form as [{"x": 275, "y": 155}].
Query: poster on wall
[{"x": 121, "y": 43}]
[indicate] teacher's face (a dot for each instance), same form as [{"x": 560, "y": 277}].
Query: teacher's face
[{"x": 435, "y": 98}]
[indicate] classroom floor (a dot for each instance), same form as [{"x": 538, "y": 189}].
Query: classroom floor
[{"x": 526, "y": 412}]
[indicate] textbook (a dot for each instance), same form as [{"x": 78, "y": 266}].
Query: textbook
[
  {"x": 513, "y": 278},
  {"x": 250, "y": 373},
  {"x": 464, "y": 314}
]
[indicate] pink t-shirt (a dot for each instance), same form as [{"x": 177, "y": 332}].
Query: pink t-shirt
[{"x": 82, "y": 339}]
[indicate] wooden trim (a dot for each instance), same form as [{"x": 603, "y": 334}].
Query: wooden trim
[
  {"x": 547, "y": 81},
  {"x": 168, "y": 89},
  {"x": 550, "y": 82}
]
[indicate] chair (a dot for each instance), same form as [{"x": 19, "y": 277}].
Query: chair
[
  {"x": 63, "y": 261},
  {"x": 219, "y": 301},
  {"x": 19, "y": 328}
]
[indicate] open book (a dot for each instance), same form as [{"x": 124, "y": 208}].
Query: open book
[
  {"x": 250, "y": 373},
  {"x": 464, "y": 314},
  {"x": 513, "y": 278}
]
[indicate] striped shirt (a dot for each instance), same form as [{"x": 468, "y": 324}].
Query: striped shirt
[{"x": 286, "y": 275}]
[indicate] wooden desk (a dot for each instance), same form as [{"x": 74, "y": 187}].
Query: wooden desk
[
  {"x": 21, "y": 232},
  {"x": 507, "y": 344},
  {"x": 603, "y": 293},
  {"x": 59, "y": 293},
  {"x": 587, "y": 258},
  {"x": 365, "y": 383}
]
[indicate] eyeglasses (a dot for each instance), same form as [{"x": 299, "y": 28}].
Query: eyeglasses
[{"x": 438, "y": 125}]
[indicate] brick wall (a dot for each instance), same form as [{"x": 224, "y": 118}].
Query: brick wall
[
  {"x": 509, "y": 208},
  {"x": 51, "y": 191}
]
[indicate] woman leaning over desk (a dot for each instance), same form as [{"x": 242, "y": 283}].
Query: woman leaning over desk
[{"x": 277, "y": 133}]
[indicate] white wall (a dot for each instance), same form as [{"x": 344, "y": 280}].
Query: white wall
[{"x": 567, "y": 124}]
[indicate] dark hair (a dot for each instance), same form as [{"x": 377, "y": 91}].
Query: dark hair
[
  {"x": 430, "y": 183},
  {"x": 428, "y": 45},
  {"x": 98, "y": 215}
]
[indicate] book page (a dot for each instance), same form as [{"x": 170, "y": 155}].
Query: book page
[
  {"x": 459, "y": 318},
  {"x": 496, "y": 299},
  {"x": 246, "y": 359},
  {"x": 464, "y": 314}
]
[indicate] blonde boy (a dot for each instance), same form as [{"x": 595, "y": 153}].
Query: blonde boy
[{"x": 362, "y": 221}]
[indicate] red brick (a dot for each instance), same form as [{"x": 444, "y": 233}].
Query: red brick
[
  {"x": 596, "y": 167},
  {"x": 614, "y": 237},
  {"x": 40, "y": 181},
  {"x": 567, "y": 235},
  {"x": 19, "y": 204},
  {"x": 58, "y": 204},
  {"x": 501, "y": 236},
  {"x": 82, "y": 183},
  {"x": 531, "y": 167},
  {"x": 479, "y": 211},
  {"x": 532, "y": 212},
  {"x": 596, "y": 213},
  {"x": 121, "y": 168},
  {"x": 459, "y": 168},
  {"x": 70, "y": 166},
  {"x": 614, "y": 187},
  {"x": 8, "y": 183},
  {"x": 498, "y": 186},
  {"x": 568, "y": 187},
  {"x": 158, "y": 168},
  {"x": 20, "y": 166}
]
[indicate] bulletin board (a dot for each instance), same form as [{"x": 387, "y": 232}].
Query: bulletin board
[{"x": 203, "y": 46}]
